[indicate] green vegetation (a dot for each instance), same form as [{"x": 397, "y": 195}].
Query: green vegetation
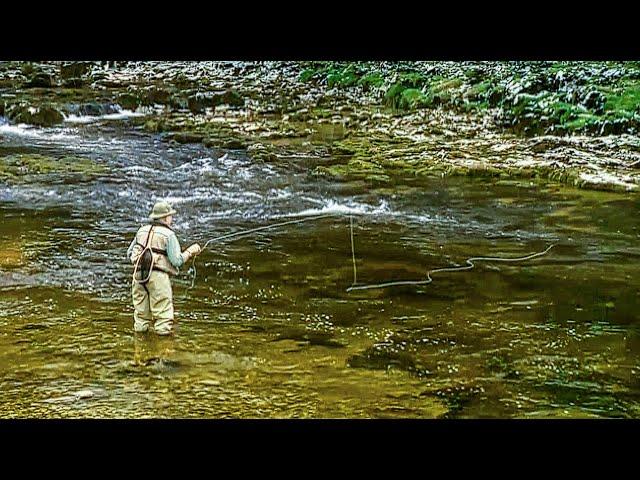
[{"x": 532, "y": 98}]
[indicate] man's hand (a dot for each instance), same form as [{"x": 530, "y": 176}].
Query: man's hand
[{"x": 194, "y": 250}]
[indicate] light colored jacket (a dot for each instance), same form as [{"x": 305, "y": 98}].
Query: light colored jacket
[{"x": 167, "y": 255}]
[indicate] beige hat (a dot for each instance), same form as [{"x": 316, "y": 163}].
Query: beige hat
[{"x": 161, "y": 210}]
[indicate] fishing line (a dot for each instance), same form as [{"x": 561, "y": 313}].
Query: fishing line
[
  {"x": 247, "y": 232},
  {"x": 469, "y": 266},
  {"x": 354, "y": 286}
]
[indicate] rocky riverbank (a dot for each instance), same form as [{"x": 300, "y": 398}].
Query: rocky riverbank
[{"x": 571, "y": 122}]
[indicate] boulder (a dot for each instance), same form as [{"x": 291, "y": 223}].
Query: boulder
[
  {"x": 199, "y": 102},
  {"x": 96, "y": 109},
  {"x": 178, "y": 102},
  {"x": 73, "y": 83},
  {"x": 234, "y": 144},
  {"x": 259, "y": 151},
  {"x": 43, "y": 116},
  {"x": 156, "y": 95},
  {"x": 185, "y": 137},
  {"x": 39, "y": 80},
  {"x": 128, "y": 101},
  {"x": 74, "y": 70},
  {"x": 595, "y": 101},
  {"x": 232, "y": 98}
]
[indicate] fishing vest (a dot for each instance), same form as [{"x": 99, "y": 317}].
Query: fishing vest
[{"x": 158, "y": 243}]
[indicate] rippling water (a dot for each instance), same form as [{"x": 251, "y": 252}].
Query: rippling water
[{"x": 269, "y": 330}]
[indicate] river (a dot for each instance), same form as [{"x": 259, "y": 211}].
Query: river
[{"x": 269, "y": 330}]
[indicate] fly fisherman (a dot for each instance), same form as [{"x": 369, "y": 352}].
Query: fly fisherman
[{"x": 156, "y": 255}]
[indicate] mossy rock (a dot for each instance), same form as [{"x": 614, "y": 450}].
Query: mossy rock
[
  {"x": 232, "y": 98},
  {"x": 39, "y": 80},
  {"x": 383, "y": 357},
  {"x": 95, "y": 109},
  {"x": 213, "y": 141},
  {"x": 234, "y": 144},
  {"x": 262, "y": 152},
  {"x": 378, "y": 178},
  {"x": 200, "y": 101},
  {"x": 185, "y": 137},
  {"x": 310, "y": 337},
  {"x": 74, "y": 70},
  {"x": 361, "y": 165},
  {"x": 178, "y": 102},
  {"x": 155, "y": 125},
  {"x": 340, "y": 148},
  {"x": 155, "y": 95},
  {"x": 43, "y": 115},
  {"x": 73, "y": 83},
  {"x": 15, "y": 167},
  {"x": 128, "y": 101}
]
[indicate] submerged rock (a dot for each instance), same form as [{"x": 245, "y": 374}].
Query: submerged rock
[
  {"x": 457, "y": 397},
  {"x": 11, "y": 254},
  {"x": 79, "y": 395},
  {"x": 84, "y": 394},
  {"x": 382, "y": 357},
  {"x": 162, "y": 364},
  {"x": 15, "y": 279},
  {"x": 312, "y": 337}
]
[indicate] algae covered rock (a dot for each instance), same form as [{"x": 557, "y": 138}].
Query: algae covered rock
[
  {"x": 260, "y": 151},
  {"x": 200, "y": 101},
  {"x": 232, "y": 98},
  {"x": 93, "y": 109},
  {"x": 128, "y": 101},
  {"x": 382, "y": 356},
  {"x": 155, "y": 95},
  {"x": 22, "y": 167},
  {"x": 43, "y": 115},
  {"x": 39, "y": 80},
  {"x": 185, "y": 137},
  {"x": 74, "y": 70}
]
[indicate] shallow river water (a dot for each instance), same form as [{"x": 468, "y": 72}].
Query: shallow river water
[{"x": 269, "y": 331}]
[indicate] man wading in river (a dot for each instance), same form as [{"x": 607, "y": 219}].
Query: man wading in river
[{"x": 155, "y": 254}]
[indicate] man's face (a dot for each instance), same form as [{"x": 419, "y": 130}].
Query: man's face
[{"x": 168, "y": 220}]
